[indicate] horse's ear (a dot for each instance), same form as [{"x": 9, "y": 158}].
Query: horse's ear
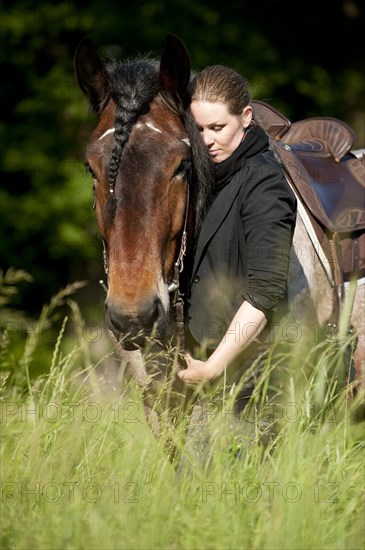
[
  {"x": 174, "y": 67},
  {"x": 91, "y": 74}
]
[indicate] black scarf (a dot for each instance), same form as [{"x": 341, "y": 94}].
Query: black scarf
[{"x": 254, "y": 142}]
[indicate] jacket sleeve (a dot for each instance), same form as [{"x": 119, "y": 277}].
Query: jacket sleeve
[{"x": 268, "y": 214}]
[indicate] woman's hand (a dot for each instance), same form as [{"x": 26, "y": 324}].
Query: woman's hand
[
  {"x": 197, "y": 372},
  {"x": 246, "y": 325}
]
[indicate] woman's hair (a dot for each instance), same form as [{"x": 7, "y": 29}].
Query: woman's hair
[{"x": 219, "y": 83}]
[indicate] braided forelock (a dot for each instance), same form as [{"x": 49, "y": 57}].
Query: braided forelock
[{"x": 132, "y": 86}]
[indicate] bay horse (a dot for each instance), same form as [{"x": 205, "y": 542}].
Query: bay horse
[{"x": 152, "y": 178}]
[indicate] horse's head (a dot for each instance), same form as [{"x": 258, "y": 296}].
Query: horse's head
[{"x": 139, "y": 156}]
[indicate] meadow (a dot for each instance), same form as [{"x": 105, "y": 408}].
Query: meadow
[{"x": 81, "y": 469}]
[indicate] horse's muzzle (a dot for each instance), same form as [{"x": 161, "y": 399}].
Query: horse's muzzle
[{"x": 134, "y": 328}]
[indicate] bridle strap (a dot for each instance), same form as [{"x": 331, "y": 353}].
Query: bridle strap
[
  {"x": 174, "y": 287},
  {"x": 179, "y": 264}
]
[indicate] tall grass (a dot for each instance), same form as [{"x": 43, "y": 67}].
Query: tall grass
[{"x": 81, "y": 469}]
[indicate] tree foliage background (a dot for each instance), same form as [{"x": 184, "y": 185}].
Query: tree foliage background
[{"x": 306, "y": 59}]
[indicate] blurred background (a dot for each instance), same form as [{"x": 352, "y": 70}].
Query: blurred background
[{"x": 306, "y": 59}]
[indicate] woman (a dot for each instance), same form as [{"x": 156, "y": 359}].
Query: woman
[{"x": 241, "y": 260}]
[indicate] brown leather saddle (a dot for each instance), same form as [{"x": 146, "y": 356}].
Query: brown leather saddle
[{"x": 329, "y": 181}]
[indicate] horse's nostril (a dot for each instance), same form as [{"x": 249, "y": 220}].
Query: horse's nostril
[
  {"x": 142, "y": 320},
  {"x": 149, "y": 314},
  {"x": 115, "y": 318}
]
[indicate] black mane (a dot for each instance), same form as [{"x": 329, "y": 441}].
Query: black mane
[{"x": 133, "y": 85}]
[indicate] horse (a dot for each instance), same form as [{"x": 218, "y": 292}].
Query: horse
[{"x": 152, "y": 179}]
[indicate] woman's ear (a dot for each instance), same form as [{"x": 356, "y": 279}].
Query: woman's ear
[{"x": 247, "y": 116}]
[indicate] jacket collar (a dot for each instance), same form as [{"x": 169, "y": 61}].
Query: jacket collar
[{"x": 254, "y": 141}]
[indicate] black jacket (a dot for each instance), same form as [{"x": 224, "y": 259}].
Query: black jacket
[{"x": 243, "y": 247}]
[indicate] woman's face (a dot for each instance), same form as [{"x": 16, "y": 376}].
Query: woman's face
[{"x": 221, "y": 132}]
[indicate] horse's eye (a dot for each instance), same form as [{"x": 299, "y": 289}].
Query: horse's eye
[
  {"x": 181, "y": 170},
  {"x": 90, "y": 171}
]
